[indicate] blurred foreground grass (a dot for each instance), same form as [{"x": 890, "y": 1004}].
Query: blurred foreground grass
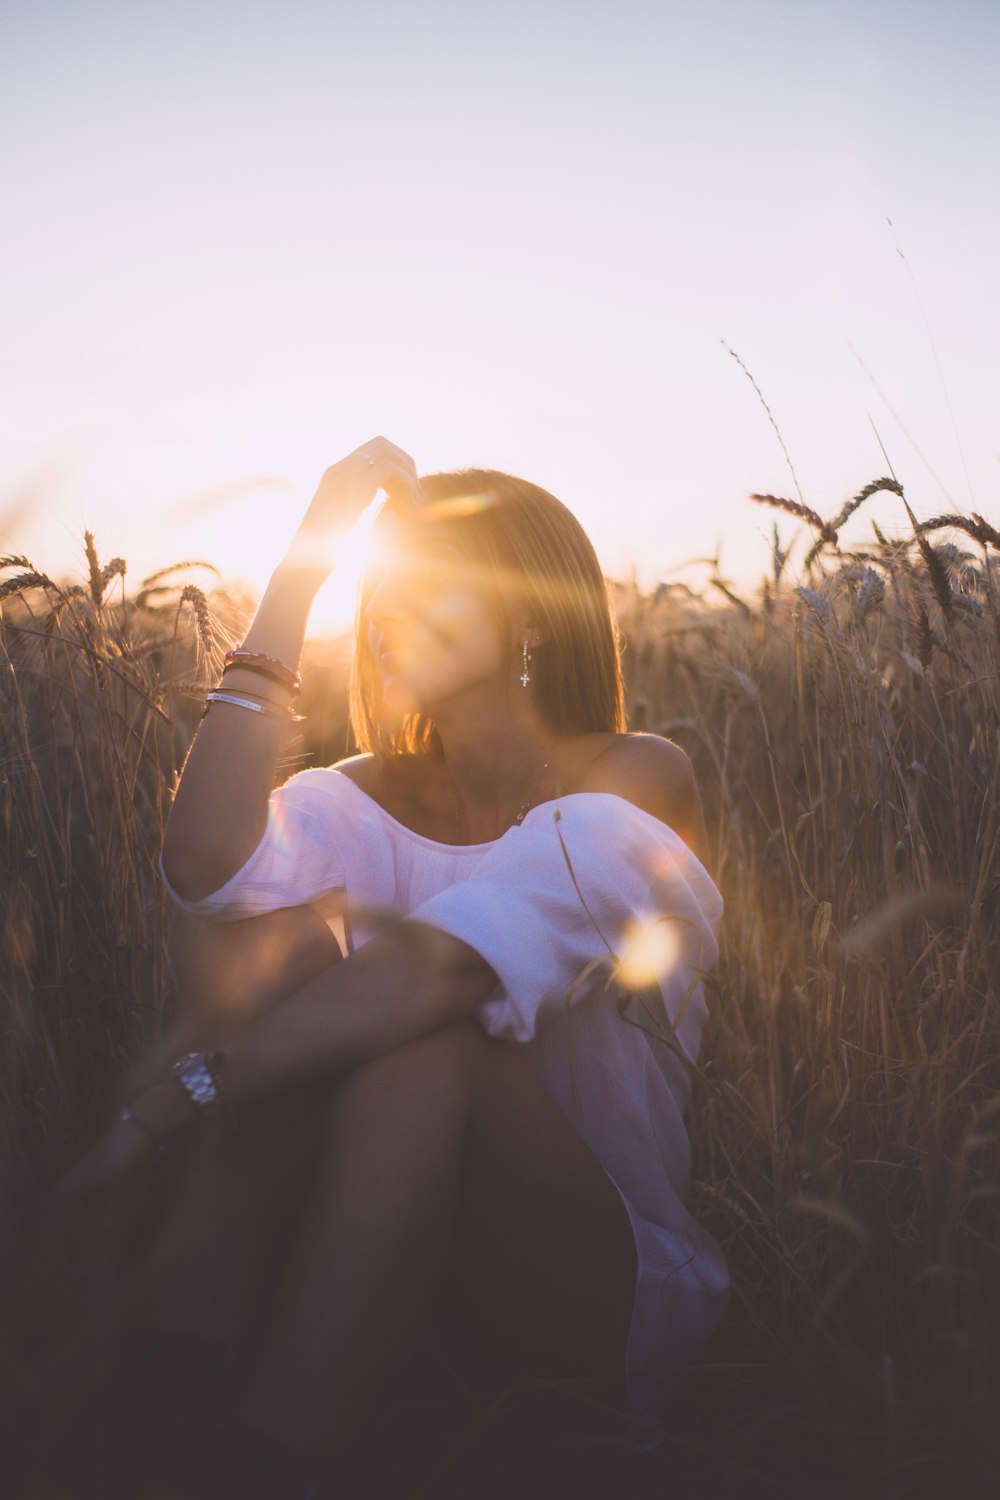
[{"x": 846, "y": 1121}]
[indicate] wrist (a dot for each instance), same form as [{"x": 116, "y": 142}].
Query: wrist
[
  {"x": 239, "y": 679},
  {"x": 303, "y": 570},
  {"x": 168, "y": 1111}
]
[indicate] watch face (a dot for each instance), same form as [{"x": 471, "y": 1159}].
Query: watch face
[{"x": 194, "y": 1076}]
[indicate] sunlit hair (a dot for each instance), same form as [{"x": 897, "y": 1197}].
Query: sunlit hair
[{"x": 515, "y": 531}]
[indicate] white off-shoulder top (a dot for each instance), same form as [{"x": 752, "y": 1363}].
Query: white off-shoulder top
[{"x": 588, "y": 896}]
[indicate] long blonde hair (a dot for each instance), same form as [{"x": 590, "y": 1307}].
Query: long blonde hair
[{"x": 518, "y": 532}]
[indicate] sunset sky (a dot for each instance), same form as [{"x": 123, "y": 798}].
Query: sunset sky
[{"x": 241, "y": 239}]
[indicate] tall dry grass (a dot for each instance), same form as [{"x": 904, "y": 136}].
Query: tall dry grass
[
  {"x": 844, "y": 731},
  {"x": 99, "y": 699},
  {"x": 846, "y": 1130}
]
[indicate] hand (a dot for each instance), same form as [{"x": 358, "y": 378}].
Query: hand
[
  {"x": 345, "y": 490},
  {"x": 96, "y": 1212}
]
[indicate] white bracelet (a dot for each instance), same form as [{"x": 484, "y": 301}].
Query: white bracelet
[{"x": 258, "y": 708}]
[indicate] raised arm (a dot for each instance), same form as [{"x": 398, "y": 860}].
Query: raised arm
[
  {"x": 219, "y": 811},
  {"x": 220, "y": 808}
]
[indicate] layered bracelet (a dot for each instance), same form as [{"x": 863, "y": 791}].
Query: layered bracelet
[
  {"x": 266, "y": 666},
  {"x": 270, "y": 710}
]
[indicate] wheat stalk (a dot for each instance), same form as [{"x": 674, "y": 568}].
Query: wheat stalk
[
  {"x": 192, "y": 594},
  {"x": 872, "y": 488},
  {"x": 980, "y": 530},
  {"x": 770, "y": 417},
  {"x": 24, "y": 581},
  {"x": 94, "y": 567},
  {"x": 176, "y": 568},
  {"x": 793, "y": 507}
]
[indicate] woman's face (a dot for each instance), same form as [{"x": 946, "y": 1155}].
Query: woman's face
[{"x": 430, "y": 630}]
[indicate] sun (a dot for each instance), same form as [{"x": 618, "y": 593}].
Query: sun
[{"x": 332, "y": 611}]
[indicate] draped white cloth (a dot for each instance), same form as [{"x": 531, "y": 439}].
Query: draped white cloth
[{"x": 599, "y": 923}]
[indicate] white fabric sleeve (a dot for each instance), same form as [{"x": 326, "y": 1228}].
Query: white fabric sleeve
[
  {"x": 297, "y": 860},
  {"x": 650, "y": 900}
]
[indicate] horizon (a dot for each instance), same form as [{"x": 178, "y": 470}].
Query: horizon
[{"x": 245, "y": 243}]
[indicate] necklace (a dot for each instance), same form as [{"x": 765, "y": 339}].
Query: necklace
[
  {"x": 522, "y": 811},
  {"x": 526, "y": 806}
]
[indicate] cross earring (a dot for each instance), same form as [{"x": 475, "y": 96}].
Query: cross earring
[{"x": 525, "y": 679}]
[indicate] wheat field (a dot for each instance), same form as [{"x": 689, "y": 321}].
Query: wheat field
[{"x": 845, "y": 1124}]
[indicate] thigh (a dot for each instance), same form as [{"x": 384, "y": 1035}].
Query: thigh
[{"x": 543, "y": 1258}]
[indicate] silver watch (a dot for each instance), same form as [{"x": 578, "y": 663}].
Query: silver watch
[{"x": 196, "y": 1078}]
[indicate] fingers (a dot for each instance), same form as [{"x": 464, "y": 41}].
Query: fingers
[
  {"x": 348, "y": 487},
  {"x": 393, "y": 469},
  {"x": 400, "y": 485},
  {"x": 345, "y": 491},
  {"x": 85, "y": 1251},
  {"x": 381, "y": 448},
  {"x": 370, "y": 457}
]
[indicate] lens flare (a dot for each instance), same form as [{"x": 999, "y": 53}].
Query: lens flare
[
  {"x": 652, "y": 948},
  {"x": 455, "y": 505},
  {"x": 333, "y": 608}
]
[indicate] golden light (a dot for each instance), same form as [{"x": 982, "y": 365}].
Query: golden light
[
  {"x": 456, "y": 505},
  {"x": 651, "y": 949},
  {"x": 333, "y": 608}
]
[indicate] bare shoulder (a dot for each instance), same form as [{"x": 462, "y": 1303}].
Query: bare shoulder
[
  {"x": 657, "y": 776},
  {"x": 398, "y": 785},
  {"x": 644, "y": 768},
  {"x": 362, "y": 769}
]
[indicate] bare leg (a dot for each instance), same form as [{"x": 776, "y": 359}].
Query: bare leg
[
  {"x": 237, "y": 1198},
  {"x": 449, "y": 1133},
  {"x": 233, "y": 1211}
]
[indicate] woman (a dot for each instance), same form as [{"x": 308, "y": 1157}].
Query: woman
[{"x": 499, "y": 1081}]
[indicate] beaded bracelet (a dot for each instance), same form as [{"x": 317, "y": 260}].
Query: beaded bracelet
[
  {"x": 253, "y": 666},
  {"x": 256, "y": 661}
]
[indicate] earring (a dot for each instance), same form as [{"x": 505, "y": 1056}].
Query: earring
[{"x": 525, "y": 679}]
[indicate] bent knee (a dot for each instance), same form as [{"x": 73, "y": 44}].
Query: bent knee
[{"x": 443, "y": 1060}]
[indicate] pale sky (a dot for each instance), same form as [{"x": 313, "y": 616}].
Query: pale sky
[{"x": 238, "y": 240}]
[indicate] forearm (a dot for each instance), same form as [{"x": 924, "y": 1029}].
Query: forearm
[
  {"x": 411, "y": 980},
  {"x": 219, "y": 811},
  {"x": 231, "y": 971}
]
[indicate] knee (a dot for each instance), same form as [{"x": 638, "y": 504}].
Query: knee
[{"x": 441, "y": 1064}]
